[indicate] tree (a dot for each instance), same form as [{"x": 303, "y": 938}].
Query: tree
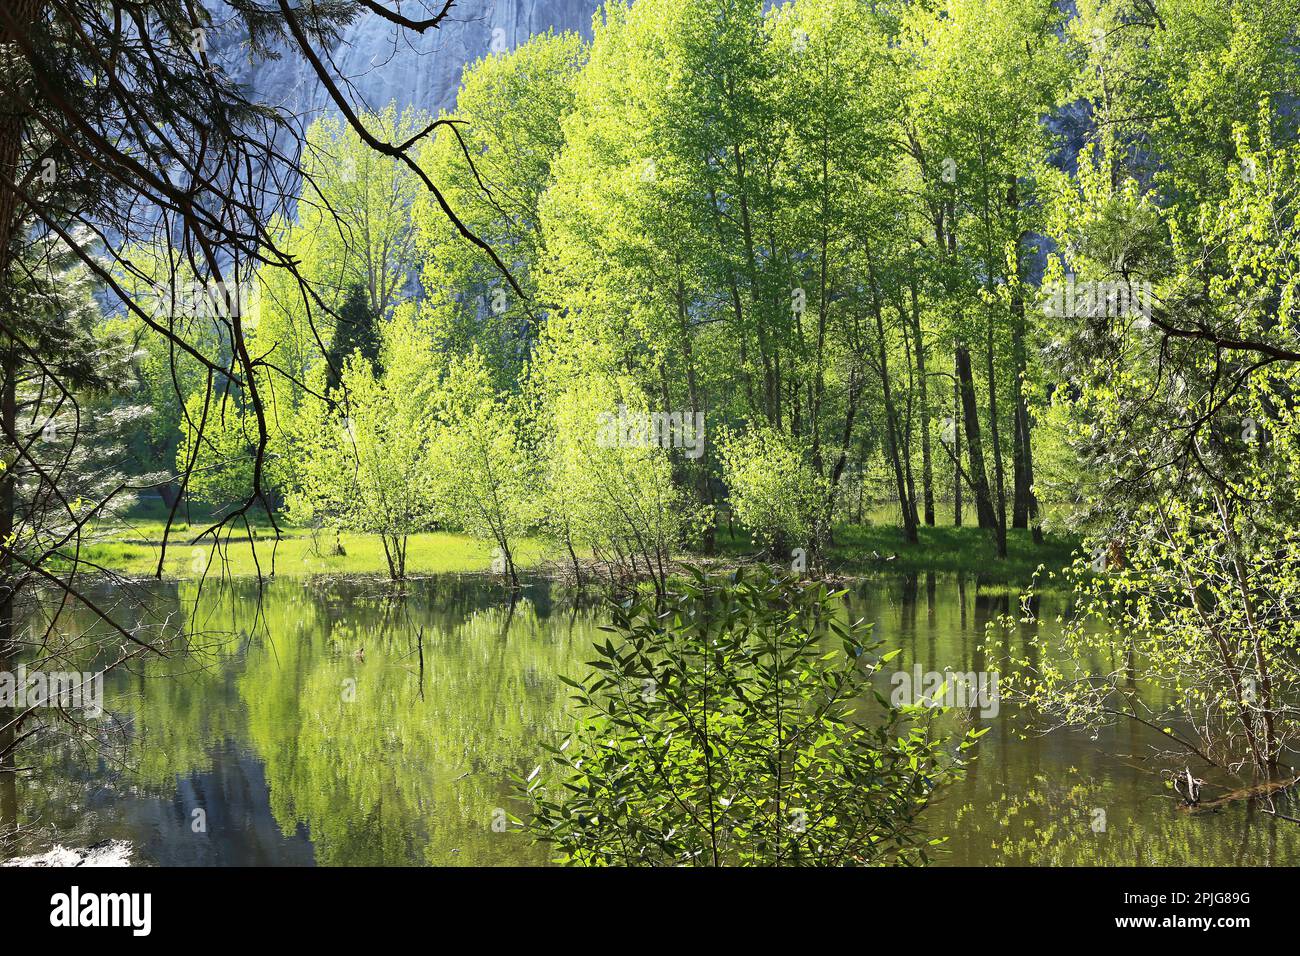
[
  {"x": 984, "y": 74},
  {"x": 364, "y": 457},
  {"x": 356, "y": 331},
  {"x": 355, "y": 223},
  {"x": 604, "y": 493},
  {"x": 482, "y": 466},
  {"x": 216, "y": 448},
  {"x": 1182, "y": 412},
  {"x": 62, "y": 421},
  {"x": 509, "y": 117}
]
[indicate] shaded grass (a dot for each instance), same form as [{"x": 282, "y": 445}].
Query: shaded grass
[
  {"x": 870, "y": 548},
  {"x": 950, "y": 549}
]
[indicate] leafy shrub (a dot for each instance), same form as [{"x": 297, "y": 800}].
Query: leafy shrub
[
  {"x": 774, "y": 489},
  {"x": 725, "y": 728}
]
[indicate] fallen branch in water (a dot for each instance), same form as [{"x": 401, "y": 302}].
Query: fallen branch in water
[{"x": 1244, "y": 793}]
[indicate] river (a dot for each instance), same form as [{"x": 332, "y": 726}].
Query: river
[{"x": 329, "y": 723}]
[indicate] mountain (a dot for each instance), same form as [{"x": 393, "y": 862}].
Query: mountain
[{"x": 382, "y": 62}]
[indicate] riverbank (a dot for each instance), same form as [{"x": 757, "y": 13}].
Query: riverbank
[{"x": 132, "y": 547}]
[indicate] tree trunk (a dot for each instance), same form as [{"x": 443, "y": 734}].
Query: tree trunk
[
  {"x": 510, "y": 562},
  {"x": 13, "y": 125},
  {"x": 927, "y": 469},
  {"x": 8, "y": 649},
  {"x": 999, "y": 473},
  {"x": 978, "y": 475},
  {"x": 956, "y": 444},
  {"x": 573, "y": 556},
  {"x": 905, "y": 502},
  {"x": 1025, "y": 505},
  {"x": 1026, "y": 502},
  {"x": 900, "y": 482},
  {"x": 700, "y": 469}
]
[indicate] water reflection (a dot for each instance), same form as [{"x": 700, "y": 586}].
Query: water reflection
[{"x": 335, "y": 724}]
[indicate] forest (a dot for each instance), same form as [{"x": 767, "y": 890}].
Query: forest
[{"x": 718, "y": 324}]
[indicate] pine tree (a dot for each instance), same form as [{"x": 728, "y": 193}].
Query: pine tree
[{"x": 357, "y": 331}]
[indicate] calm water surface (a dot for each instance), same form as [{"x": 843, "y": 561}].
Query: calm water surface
[{"x": 293, "y": 749}]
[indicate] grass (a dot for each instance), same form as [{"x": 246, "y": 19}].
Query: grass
[
  {"x": 295, "y": 555},
  {"x": 131, "y": 546},
  {"x": 870, "y": 548},
  {"x": 949, "y": 549}
]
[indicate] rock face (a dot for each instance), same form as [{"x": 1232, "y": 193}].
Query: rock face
[{"x": 384, "y": 63}]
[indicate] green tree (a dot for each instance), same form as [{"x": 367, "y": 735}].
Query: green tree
[
  {"x": 775, "y": 492},
  {"x": 356, "y": 331},
  {"x": 482, "y": 467},
  {"x": 1182, "y": 413},
  {"x": 218, "y": 446},
  {"x": 1188, "y": 490},
  {"x": 982, "y": 77},
  {"x": 355, "y": 214},
  {"x": 509, "y": 117},
  {"x": 364, "y": 458}
]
